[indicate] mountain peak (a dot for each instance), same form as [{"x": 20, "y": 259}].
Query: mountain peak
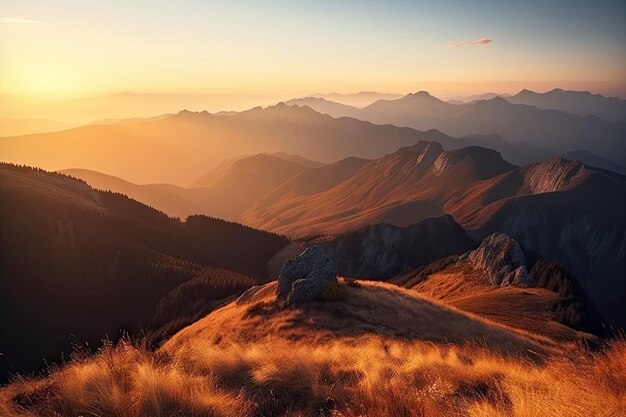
[
  {"x": 188, "y": 114},
  {"x": 420, "y": 95},
  {"x": 478, "y": 161},
  {"x": 498, "y": 100},
  {"x": 492, "y": 103},
  {"x": 281, "y": 109}
]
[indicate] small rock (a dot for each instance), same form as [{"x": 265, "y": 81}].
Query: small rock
[
  {"x": 301, "y": 278},
  {"x": 248, "y": 294}
]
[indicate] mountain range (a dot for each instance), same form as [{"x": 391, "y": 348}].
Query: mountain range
[
  {"x": 579, "y": 103},
  {"x": 360, "y": 99},
  {"x": 542, "y": 121},
  {"x": 549, "y": 207},
  {"x": 190, "y": 144},
  {"x": 501, "y": 223},
  {"x": 224, "y": 192}
]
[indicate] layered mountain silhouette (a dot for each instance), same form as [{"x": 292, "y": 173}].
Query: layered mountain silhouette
[
  {"x": 171, "y": 199},
  {"x": 309, "y": 183},
  {"x": 190, "y": 144},
  {"x": 563, "y": 121},
  {"x": 476, "y": 97},
  {"x": 360, "y": 99},
  {"x": 580, "y": 103},
  {"x": 223, "y": 168},
  {"x": 325, "y": 106},
  {"x": 224, "y": 192},
  {"x": 245, "y": 181},
  {"x": 78, "y": 265},
  {"x": 413, "y": 110}
]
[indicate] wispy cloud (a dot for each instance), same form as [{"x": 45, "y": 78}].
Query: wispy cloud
[
  {"x": 18, "y": 21},
  {"x": 480, "y": 41}
]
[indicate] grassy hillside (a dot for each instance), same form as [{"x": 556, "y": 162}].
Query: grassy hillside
[
  {"x": 532, "y": 310},
  {"x": 382, "y": 351}
]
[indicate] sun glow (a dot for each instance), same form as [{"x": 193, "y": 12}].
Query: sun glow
[{"x": 47, "y": 82}]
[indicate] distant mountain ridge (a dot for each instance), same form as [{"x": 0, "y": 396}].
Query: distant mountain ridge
[
  {"x": 554, "y": 123},
  {"x": 476, "y": 97},
  {"x": 579, "y": 103},
  {"x": 225, "y": 192},
  {"x": 360, "y": 99},
  {"x": 190, "y": 143},
  {"x": 276, "y": 157}
]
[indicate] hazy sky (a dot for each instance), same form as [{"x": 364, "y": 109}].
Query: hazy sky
[{"x": 68, "y": 48}]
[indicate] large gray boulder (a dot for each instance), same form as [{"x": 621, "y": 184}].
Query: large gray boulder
[
  {"x": 501, "y": 258},
  {"x": 301, "y": 278}
]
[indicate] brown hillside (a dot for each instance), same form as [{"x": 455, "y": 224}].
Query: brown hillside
[{"x": 401, "y": 188}]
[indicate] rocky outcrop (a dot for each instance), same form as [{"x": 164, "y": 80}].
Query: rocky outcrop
[
  {"x": 554, "y": 175},
  {"x": 301, "y": 278},
  {"x": 500, "y": 257}
]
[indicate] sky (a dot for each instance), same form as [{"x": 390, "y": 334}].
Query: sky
[{"x": 67, "y": 48}]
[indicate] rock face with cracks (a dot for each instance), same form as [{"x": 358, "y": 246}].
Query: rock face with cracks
[
  {"x": 302, "y": 277},
  {"x": 502, "y": 259}
]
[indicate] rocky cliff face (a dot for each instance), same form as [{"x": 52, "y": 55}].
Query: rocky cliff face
[
  {"x": 583, "y": 228},
  {"x": 382, "y": 251},
  {"x": 554, "y": 175},
  {"x": 501, "y": 259}
]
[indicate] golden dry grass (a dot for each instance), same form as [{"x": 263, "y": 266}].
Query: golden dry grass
[
  {"x": 371, "y": 377},
  {"x": 207, "y": 371},
  {"x": 525, "y": 309}
]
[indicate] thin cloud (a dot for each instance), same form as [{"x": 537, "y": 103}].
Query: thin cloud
[
  {"x": 480, "y": 41},
  {"x": 18, "y": 21}
]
